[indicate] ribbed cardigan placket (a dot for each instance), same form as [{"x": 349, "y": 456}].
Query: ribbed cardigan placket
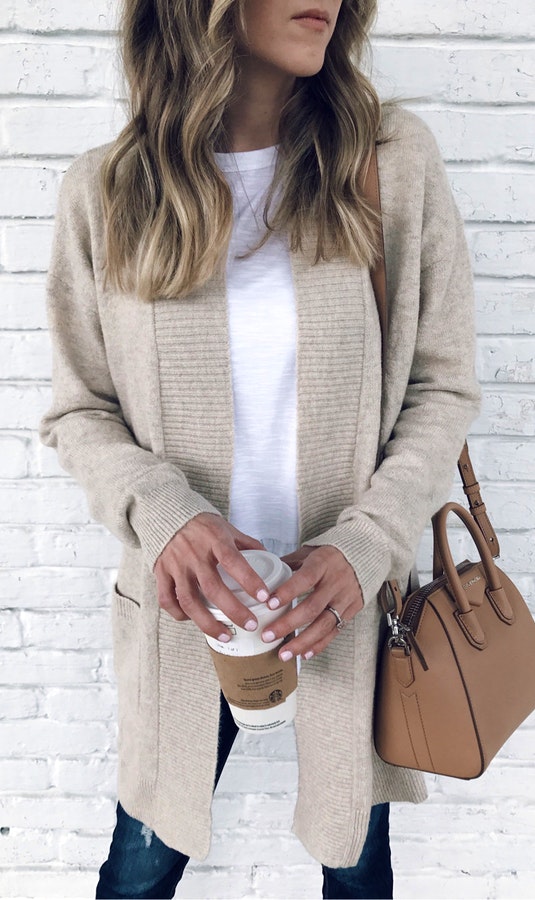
[
  {"x": 196, "y": 386},
  {"x": 331, "y": 312}
]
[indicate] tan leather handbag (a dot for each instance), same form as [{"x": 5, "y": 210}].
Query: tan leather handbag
[{"x": 456, "y": 674}]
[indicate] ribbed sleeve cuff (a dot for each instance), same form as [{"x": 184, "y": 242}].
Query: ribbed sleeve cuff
[
  {"x": 366, "y": 552},
  {"x": 157, "y": 516}
]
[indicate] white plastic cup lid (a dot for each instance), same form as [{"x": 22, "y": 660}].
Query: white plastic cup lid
[{"x": 268, "y": 566}]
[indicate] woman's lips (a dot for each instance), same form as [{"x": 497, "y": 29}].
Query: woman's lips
[{"x": 313, "y": 18}]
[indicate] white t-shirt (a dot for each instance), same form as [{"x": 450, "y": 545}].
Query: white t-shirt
[{"x": 263, "y": 336}]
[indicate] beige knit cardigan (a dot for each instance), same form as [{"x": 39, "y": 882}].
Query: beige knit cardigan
[{"x": 142, "y": 418}]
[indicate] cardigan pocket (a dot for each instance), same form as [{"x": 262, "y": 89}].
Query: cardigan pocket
[
  {"x": 126, "y": 617},
  {"x": 135, "y": 649}
]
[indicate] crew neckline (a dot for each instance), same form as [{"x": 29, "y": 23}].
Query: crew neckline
[{"x": 247, "y": 160}]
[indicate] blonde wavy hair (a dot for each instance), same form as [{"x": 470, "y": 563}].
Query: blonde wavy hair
[{"x": 167, "y": 205}]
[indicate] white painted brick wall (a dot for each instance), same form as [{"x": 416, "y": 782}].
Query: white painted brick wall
[{"x": 469, "y": 70}]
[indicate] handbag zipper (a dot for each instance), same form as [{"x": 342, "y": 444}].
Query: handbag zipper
[{"x": 403, "y": 628}]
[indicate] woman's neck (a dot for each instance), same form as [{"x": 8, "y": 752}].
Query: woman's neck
[{"x": 252, "y": 118}]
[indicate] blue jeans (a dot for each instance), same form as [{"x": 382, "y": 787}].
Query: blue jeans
[{"x": 140, "y": 865}]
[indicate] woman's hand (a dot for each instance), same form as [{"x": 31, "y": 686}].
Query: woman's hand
[
  {"x": 326, "y": 576},
  {"x": 186, "y": 569}
]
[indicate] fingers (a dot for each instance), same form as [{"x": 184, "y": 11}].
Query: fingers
[
  {"x": 317, "y": 636},
  {"x": 183, "y": 600},
  {"x": 209, "y": 538},
  {"x": 238, "y": 568},
  {"x": 167, "y": 598},
  {"x": 319, "y": 645},
  {"x": 327, "y": 579},
  {"x": 197, "y": 611},
  {"x": 325, "y": 566},
  {"x": 186, "y": 574},
  {"x": 213, "y": 588},
  {"x": 311, "y": 570}
]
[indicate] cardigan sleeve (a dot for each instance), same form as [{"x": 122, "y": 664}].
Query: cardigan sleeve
[
  {"x": 140, "y": 498},
  {"x": 379, "y": 535}
]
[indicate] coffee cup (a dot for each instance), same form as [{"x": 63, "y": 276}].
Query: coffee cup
[{"x": 259, "y": 688}]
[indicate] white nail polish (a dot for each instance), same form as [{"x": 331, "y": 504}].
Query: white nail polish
[
  {"x": 224, "y": 638},
  {"x": 262, "y": 595}
]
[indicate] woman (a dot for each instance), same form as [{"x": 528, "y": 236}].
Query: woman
[{"x": 218, "y": 386}]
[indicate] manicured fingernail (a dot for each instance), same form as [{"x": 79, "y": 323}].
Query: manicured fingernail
[
  {"x": 262, "y": 595},
  {"x": 251, "y": 625},
  {"x": 286, "y": 655},
  {"x": 268, "y": 636},
  {"x": 224, "y": 638},
  {"x": 274, "y": 603},
  {"x": 309, "y": 654}
]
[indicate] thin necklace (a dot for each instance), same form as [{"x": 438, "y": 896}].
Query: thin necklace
[{"x": 245, "y": 191}]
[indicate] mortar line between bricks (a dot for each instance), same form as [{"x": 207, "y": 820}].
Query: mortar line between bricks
[
  {"x": 490, "y": 167},
  {"x": 473, "y": 225},
  {"x": 516, "y": 388},
  {"x": 501, "y": 111},
  {"x": 514, "y": 281},
  {"x": 58, "y": 32},
  {"x": 104, "y": 102},
  {"x": 466, "y": 42},
  {"x": 56, "y": 101},
  {"x": 28, "y": 278},
  {"x": 454, "y": 165},
  {"x": 20, "y": 221},
  {"x": 422, "y": 40},
  {"x": 508, "y": 336},
  {"x": 58, "y": 162},
  {"x": 449, "y": 103},
  {"x": 98, "y": 40},
  {"x": 512, "y": 227},
  {"x": 500, "y": 224},
  {"x": 444, "y": 37},
  {"x": 526, "y": 281},
  {"x": 64, "y": 99},
  {"x": 10, "y": 161}
]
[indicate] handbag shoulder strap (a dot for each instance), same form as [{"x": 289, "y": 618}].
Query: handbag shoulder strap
[
  {"x": 372, "y": 193},
  {"x": 477, "y": 507}
]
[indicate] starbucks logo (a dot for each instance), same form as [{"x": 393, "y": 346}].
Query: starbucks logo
[{"x": 275, "y": 696}]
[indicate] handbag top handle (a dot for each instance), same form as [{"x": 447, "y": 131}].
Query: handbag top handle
[{"x": 372, "y": 193}]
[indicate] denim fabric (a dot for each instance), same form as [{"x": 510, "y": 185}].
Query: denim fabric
[
  {"x": 372, "y": 877},
  {"x": 140, "y": 865}
]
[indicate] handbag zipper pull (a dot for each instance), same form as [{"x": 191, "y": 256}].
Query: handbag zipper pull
[
  {"x": 397, "y": 633},
  {"x": 414, "y": 644},
  {"x": 403, "y": 637}
]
